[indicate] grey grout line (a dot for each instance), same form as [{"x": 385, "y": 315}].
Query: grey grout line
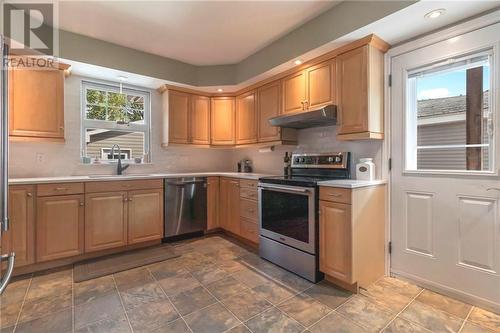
[
  {"x": 400, "y": 312},
  {"x": 121, "y": 302},
  {"x": 465, "y": 320},
  {"x": 22, "y": 305}
]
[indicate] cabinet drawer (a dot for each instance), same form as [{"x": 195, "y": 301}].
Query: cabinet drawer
[
  {"x": 248, "y": 193},
  {"x": 123, "y": 185},
  {"x": 45, "y": 190},
  {"x": 249, "y": 230},
  {"x": 248, "y": 183},
  {"x": 335, "y": 194},
  {"x": 248, "y": 209}
]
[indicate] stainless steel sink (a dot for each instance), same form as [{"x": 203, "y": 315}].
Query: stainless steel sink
[{"x": 125, "y": 176}]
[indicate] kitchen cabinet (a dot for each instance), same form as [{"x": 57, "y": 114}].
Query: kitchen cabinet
[
  {"x": 213, "y": 203},
  {"x": 178, "y": 116},
  {"x": 105, "y": 220},
  {"x": 246, "y": 118},
  {"x": 309, "y": 89},
  {"x": 230, "y": 204},
  {"x": 222, "y": 121},
  {"x": 21, "y": 235},
  {"x": 59, "y": 227},
  {"x": 360, "y": 93},
  {"x": 36, "y": 104},
  {"x": 352, "y": 235},
  {"x": 145, "y": 215},
  {"x": 200, "y": 120},
  {"x": 249, "y": 215}
]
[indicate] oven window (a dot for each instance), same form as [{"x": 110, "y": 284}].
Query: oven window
[{"x": 286, "y": 214}]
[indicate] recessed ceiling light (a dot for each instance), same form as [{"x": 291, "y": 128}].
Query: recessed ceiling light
[
  {"x": 435, "y": 13},
  {"x": 454, "y": 39},
  {"x": 220, "y": 90},
  {"x": 297, "y": 62},
  {"x": 122, "y": 78}
]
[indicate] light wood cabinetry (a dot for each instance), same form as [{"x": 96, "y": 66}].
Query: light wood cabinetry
[
  {"x": 229, "y": 212},
  {"x": 105, "y": 220},
  {"x": 249, "y": 214},
  {"x": 213, "y": 203},
  {"x": 360, "y": 93},
  {"x": 268, "y": 102},
  {"x": 352, "y": 235},
  {"x": 178, "y": 116},
  {"x": 59, "y": 227},
  {"x": 293, "y": 88},
  {"x": 36, "y": 104},
  {"x": 21, "y": 235},
  {"x": 246, "y": 118},
  {"x": 145, "y": 215},
  {"x": 200, "y": 120},
  {"x": 222, "y": 121}
]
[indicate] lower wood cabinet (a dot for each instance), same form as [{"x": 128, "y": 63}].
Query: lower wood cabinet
[
  {"x": 21, "y": 235},
  {"x": 230, "y": 204},
  {"x": 145, "y": 215},
  {"x": 59, "y": 227},
  {"x": 213, "y": 203},
  {"x": 105, "y": 220}
]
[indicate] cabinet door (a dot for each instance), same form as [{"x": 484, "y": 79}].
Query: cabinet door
[
  {"x": 335, "y": 241},
  {"x": 178, "y": 117},
  {"x": 230, "y": 204},
  {"x": 246, "y": 118},
  {"x": 59, "y": 227},
  {"x": 223, "y": 121},
  {"x": 200, "y": 120},
  {"x": 213, "y": 203},
  {"x": 293, "y": 88},
  {"x": 268, "y": 100},
  {"x": 105, "y": 220},
  {"x": 320, "y": 85},
  {"x": 36, "y": 103},
  {"x": 223, "y": 202},
  {"x": 352, "y": 91},
  {"x": 145, "y": 215},
  {"x": 21, "y": 235}
]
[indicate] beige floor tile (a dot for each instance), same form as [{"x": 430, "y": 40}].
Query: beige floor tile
[
  {"x": 192, "y": 300},
  {"x": 15, "y": 292},
  {"x": 445, "y": 303},
  {"x": 59, "y": 322},
  {"x": 102, "y": 308},
  {"x": 473, "y": 328},
  {"x": 239, "y": 329},
  {"x": 111, "y": 325},
  {"x": 304, "y": 309},
  {"x": 151, "y": 315},
  {"x": 209, "y": 274},
  {"x": 250, "y": 277},
  {"x": 366, "y": 313},
  {"x": 40, "y": 307},
  {"x": 90, "y": 290},
  {"x": 246, "y": 304},
  {"x": 132, "y": 278},
  {"x": 178, "y": 284},
  {"x": 168, "y": 268},
  {"x": 387, "y": 296},
  {"x": 139, "y": 296},
  {"x": 273, "y": 321},
  {"x": 400, "y": 325},
  {"x": 226, "y": 288},
  {"x": 177, "y": 326},
  {"x": 431, "y": 318},
  {"x": 9, "y": 313},
  {"x": 335, "y": 323},
  {"x": 486, "y": 319},
  {"x": 328, "y": 294},
  {"x": 402, "y": 287},
  {"x": 212, "y": 319},
  {"x": 273, "y": 292}
]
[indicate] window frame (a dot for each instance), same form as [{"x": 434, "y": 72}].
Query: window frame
[
  {"x": 410, "y": 112},
  {"x": 111, "y": 125}
]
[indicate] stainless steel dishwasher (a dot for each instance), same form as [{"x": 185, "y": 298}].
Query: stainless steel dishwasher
[{"x": 185, "y": 206}]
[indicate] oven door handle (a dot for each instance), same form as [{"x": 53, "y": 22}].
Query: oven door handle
[{"x": 283, "y": 188}]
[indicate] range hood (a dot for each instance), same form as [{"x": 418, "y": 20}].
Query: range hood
[{"x": 325, "y": 116}]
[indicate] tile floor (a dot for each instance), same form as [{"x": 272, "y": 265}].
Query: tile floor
[{"x": 217, "y": 286}]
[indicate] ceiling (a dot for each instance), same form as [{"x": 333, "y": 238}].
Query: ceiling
[{"x": 195, "y": 32}]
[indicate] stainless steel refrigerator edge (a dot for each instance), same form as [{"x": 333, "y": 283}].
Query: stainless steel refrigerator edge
[
  {"x": 4, "y": 164},
  {"x": 185, "y": 206}
]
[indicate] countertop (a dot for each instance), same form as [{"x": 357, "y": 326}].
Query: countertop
[
  {"x": 84, "y": 178},
  {"x": 352, "y": 183}
]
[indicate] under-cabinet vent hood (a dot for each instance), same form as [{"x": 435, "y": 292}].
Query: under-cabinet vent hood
[{"x": 325, "y": 116}]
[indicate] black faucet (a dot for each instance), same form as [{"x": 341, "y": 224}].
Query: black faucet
[{"x": 119, "y": 167}]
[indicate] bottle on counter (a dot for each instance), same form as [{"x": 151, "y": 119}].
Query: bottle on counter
[
  {"x": 286, "y": 164},
  {"x": 365, "y": 169}
]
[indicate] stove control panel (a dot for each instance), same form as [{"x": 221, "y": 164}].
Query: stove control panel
[{"x": 330, "y": 160}]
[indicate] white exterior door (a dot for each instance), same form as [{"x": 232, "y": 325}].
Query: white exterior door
[{"x": 445, "y": 188}]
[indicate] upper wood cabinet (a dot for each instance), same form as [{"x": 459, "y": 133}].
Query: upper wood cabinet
[
  {"x": 213, "y": 203},
  {"x": 293, "y": 88},
  {"x": 105, "y": 220},
  {"x": 36, "y": 104},
  {"x": 223, "y": 121},
  {"x": 360, "y": 94},
  {"x": 200, "y": 120},
  {"x": 145, "y": 215},
  {"x": 21, "y": 235},
  {"x": 246, "y": 118},
  {"x": 268, "y": 101},
  {"x": 59, "y": 227},
  {"x": 178, "y": 115}
]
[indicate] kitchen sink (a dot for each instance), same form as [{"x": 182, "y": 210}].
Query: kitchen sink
[{"x": 125, "y": 176}]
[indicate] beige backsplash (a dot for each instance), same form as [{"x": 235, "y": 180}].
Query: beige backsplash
[{"x": 63, "y": 159}]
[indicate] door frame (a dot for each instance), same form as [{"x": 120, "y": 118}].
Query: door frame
[{"x": 433, "y": 38}]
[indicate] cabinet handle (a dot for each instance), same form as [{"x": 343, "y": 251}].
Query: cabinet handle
[
  {"x": 61, "y": 128},
  {"x": 335, "y": 194},
  {"x": 130, "y": 199},
  {"x": 61, "y": 188},
  {"x": 306, "y": 104},
  {"x": 302, "y": 105},
  {"x": 29, "y": 194},
  {"x": 125, "y": 199},
  {"x": 82, "y": 203}
]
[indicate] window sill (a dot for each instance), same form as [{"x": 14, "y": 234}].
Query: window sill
[{"x": 449, "y": 173}]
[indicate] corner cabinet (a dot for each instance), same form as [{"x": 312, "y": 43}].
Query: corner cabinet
[
  {"x": 352, "y": 235},
  {"x": 246, "y": 118},
  {"x": 178, "y": 117},
  {"x": 223, "y": 121},
  {"x": 36, "y": 104},
  {"x": 360, "y": 93}
]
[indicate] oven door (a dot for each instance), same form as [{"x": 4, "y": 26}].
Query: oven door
[{"x": 287, "y": 214}]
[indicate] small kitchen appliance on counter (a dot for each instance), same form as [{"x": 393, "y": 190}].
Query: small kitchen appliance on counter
[
  {"x": 365, "y": 169},
  {"x": 288, "y": 211}
]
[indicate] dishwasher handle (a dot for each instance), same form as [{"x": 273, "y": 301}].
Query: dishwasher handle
[{"x": 183, "y": 183}]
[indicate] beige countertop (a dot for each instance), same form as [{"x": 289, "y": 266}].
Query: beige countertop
[
  {"x": 352, "y": 183},
  {"x": 89, "y": 178}
]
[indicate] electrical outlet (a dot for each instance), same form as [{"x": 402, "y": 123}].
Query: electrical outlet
[{"x": 40, "y": 158}]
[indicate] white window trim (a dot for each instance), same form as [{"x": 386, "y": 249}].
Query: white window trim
[{"x": 108, "y": 125}]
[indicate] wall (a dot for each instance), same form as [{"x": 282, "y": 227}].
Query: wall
[{"x": 63, "y": 159}]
